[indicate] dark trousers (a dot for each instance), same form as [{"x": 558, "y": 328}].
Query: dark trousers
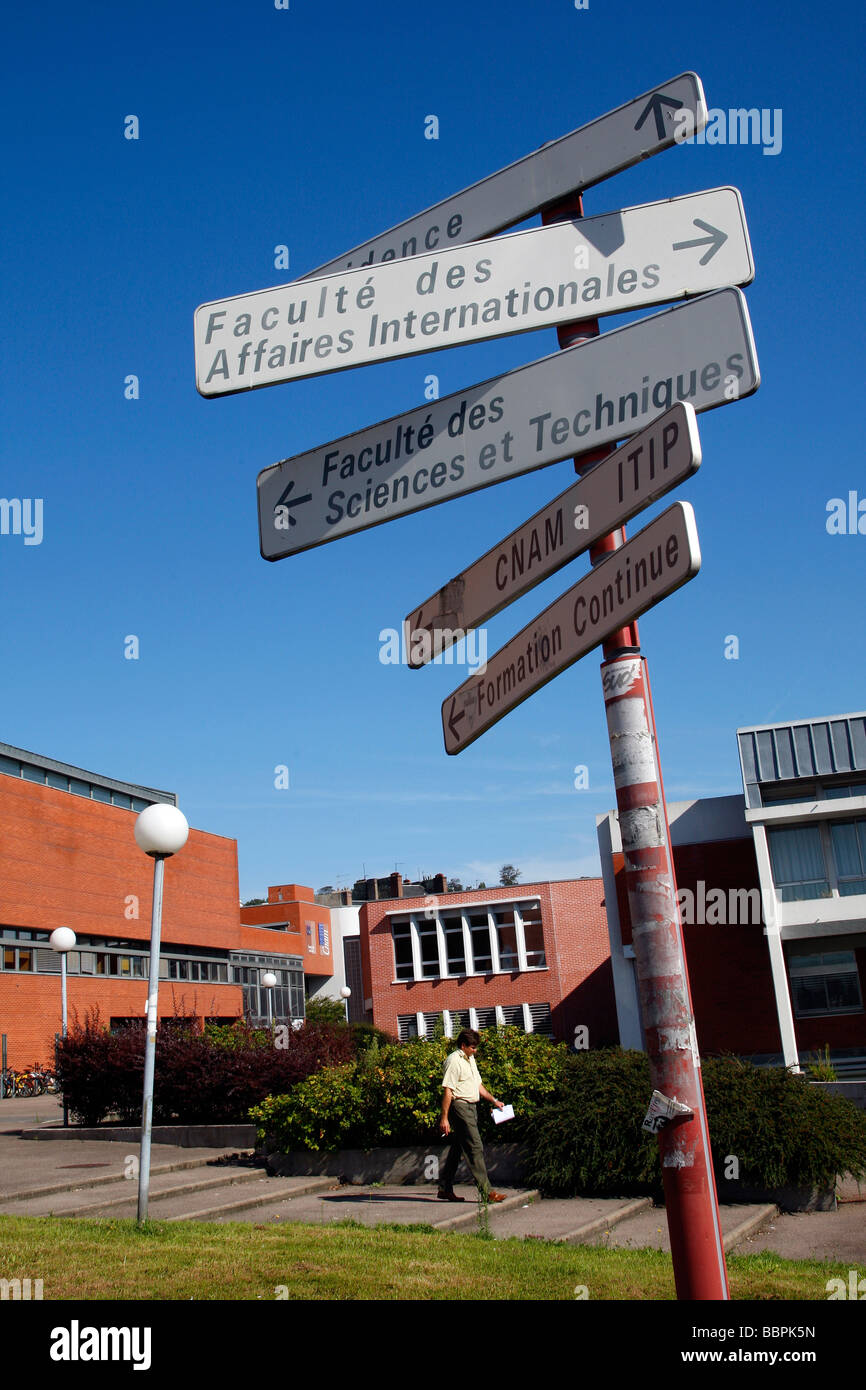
[{"x": 465, "y": 1139}]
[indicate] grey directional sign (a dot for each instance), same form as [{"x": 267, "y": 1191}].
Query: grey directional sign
[
  {"x": 598, "y": 392},
  {"x": 605, "y": 146},
  {"x": 655, "y": 562},
  {"x": 652, "y": 463},
  {"x": 611, "y": 264}
]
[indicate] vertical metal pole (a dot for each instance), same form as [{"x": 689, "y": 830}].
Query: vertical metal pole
[
  {"x": 64, "y": 1029},
  {"x": 270, "y": 994},
  {"x": 691, "y": 1204},
  {"x": 3, "y": 1082},
  {"x": 150, "y": 1039}
]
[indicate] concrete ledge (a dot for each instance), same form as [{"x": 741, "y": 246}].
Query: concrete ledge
[
  {"x": 184, "y": 1136},
  {"x": 854, "y": 1091},
  {"x": 398, "y": 1166},
  {"x": 785, "y": 1198}
]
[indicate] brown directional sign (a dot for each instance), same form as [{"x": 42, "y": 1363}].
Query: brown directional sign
[
  {"x": 652, "y": 463},
  {"x": 655, "y": 562}
]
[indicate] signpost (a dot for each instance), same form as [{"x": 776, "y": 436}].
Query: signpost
[
  {"x": 642, "y": 127},
  {"x": 610, "y": 264},
  {"x": 649, "y": 465},
  {"x": 573, "y": 401},
  {"x": 655, "y": 562}
]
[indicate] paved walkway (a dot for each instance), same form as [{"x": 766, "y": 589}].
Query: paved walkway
[{"x": 99, "y": 1178}]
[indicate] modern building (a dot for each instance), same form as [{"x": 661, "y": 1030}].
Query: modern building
[
  {"x": 297, "y": 923},
  {"x": 772, "y": 895},
  {"x": 535, "y": 956},
  {"x": 68, "y": 857}
]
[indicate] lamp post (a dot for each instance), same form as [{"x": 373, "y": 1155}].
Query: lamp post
[
  {"x": 269, "y": 980},
  {"x": 61, "y": 940},
  {"x": 161, "y": 830},
  {"x": 345, "y": 995}
]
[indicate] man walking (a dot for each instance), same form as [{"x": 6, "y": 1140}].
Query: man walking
[{"x": 462, "y": 1088}]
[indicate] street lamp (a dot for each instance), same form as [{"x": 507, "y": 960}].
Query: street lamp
[
  {"x": 269, "y": 979},
  {"x": 345, "y": 995},
  {"x": 161, "y": 830},
  {"x": 61, "y": 940}
]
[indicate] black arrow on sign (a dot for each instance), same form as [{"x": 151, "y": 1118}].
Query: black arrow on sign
[
  {"x": 295, "y": 502},
  {"x": 716, "y": 239},
  {"x": 452, "y": 722},
  {"x": 654, "y": 105}
]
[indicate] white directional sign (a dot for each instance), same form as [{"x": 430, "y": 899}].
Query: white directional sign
[
  {"x": 599, "y": 392},
  {"x": 642, "y": 127},
  {"x": 511, "y": 284},
  {"x": 655, "y": 562},
  {"x": 659, "y": 458}
]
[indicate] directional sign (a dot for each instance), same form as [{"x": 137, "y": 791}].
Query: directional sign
[
  {"x": 649, "y": 465},
  {"x": 597, "y": 393},
  {"x": 623, "y": 137},
  {"x": 511, "y": 284},
  {"x": 647, "y": 568}
]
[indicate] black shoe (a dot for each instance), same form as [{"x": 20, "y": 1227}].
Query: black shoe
[{"x": 449, "y": 1195}]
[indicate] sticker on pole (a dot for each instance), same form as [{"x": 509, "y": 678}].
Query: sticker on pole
[{"x": 662, "y": 1110}]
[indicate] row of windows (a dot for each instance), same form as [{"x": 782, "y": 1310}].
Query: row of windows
[
  {"x": 531, "y": 1018},
  {"x": 27, "y": 959},
  {"x": 468, "y": 941},
  {"x": 47, "y": 777},
  {"x": 818, "y": 861}
]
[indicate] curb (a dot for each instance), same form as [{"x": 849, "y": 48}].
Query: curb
[
  {"x": 470, "y": 1218},
  {"x": 205, "y": 1213},
  {"x": 604, "y": 1223},
  {"x": 749, "y": 1226}
]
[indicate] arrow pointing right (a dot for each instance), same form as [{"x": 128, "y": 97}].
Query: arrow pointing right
[{"x": 715, "y": 240}]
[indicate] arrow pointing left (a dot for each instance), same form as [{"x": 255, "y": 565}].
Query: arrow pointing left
[{"x": 295, "y": 502}]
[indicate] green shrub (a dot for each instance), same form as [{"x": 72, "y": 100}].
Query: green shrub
[
  {"x": 325, "y": 1011},
  {"x": 783, "y": 1130},
  {"x": 392, "y": 1093}
]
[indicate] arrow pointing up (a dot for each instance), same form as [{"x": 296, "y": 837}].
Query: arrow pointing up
[
  {"x": 654, "y": 105},
  {"x": 715, "y": 240}
]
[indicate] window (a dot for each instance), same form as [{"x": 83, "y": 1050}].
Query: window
[
  {"x": 479, "y": 931},
  {"x": 848, "y": 839},
  {"x": 825, "y": 983},
  {"x": 797, "y": 856},
  {"x": 533, "y": 936},
  {"x": 455, "y": 951},
  {"x": 428, "y": 937},
  {"x": 541, "y": 1019},
  {"x": 407, "y": 1027},
  {"x": 486, "y": 1019},
  {"x": 506, "y": 937},
  {"x": 404, "y": 969}
]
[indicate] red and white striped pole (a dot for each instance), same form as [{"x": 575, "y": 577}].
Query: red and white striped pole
[{"x": 691, "y": 1203}]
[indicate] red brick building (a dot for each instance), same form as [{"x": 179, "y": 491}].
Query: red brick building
[
  {"x": 305, "y": 925},
  {"x": 535, "y": 955},
  {"x": 68, "y": 857}
]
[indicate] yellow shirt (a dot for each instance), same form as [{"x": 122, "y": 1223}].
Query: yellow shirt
[{"x": 462, "y": 1077}]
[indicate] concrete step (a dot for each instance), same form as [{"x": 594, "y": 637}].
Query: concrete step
[
  {"x": 573, "y": 1221},
  {"x": 85, "y": 1181},
  {"x": 110, "y": 1198},
  {"x": 288, "y": 1191},
  {"x": 648, "y": 1228}
]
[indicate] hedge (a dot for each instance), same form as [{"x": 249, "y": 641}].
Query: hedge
[{"x": 208, "y": 1077}]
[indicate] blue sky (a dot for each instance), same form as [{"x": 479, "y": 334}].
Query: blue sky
[{"x": 304, "y": 127}]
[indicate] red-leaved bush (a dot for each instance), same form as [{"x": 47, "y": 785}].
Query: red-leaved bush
[{"x": 201, "y": 1078}]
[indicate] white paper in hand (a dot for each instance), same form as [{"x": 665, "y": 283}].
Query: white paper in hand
[{"x": 506, "y": 1113}]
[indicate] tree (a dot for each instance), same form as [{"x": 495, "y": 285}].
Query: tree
[
  {"x": 454, "y": 885},
  {"x": 253, "y": 902},
  {"x": 509, "y": 876}
]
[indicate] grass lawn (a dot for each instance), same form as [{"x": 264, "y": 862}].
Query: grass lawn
[{"x": 80, "y": 1259}]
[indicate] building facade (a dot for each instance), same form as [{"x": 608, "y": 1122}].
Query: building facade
[
  {"x": 772, "y": 897},
  {"x": 535, "y": 956},
  {"x": 69, "y": 858}
]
